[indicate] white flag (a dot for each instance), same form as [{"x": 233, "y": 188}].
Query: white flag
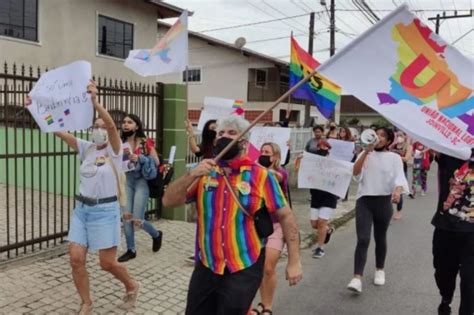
[
  {"x": 408, "y": 74},
  {"x": 169, "y": 55}
]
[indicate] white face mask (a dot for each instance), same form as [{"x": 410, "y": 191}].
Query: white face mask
[
  {"x": 400, "y": 139},
  {"x": 100, "y": 136}
]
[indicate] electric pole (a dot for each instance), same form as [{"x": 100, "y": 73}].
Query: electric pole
[
  {"x": 307, "y": 107},
  {"x": 438, "y": 18},
  {"x": 332, "y": 20}
]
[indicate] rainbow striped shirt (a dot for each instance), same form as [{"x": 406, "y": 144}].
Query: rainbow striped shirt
[{"x": 226, "y": 237}]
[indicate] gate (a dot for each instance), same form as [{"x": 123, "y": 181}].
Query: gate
[{"x": 38, "y": 173}]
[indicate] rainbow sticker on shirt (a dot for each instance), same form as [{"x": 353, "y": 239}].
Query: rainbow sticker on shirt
[
  {"x": 61, "y": 122},
  {"x": 237, "y": 106},
  {"x": 100, "y": 160}
]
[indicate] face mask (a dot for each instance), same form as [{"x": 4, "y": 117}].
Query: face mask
[
  {"x": 233, "y": 151},
  {"x": 332, "y": 127},
  {"x": 129, "y": 133},
  {"x": 400, "y": 140},
  {"x": 264, "y": 160},
  {"x": 100, "y": 136},
  {"x": 322, "y": 152},
  {"x": 209, "y": 134}
]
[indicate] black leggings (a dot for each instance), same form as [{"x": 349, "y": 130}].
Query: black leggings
[{"x": 377, "y": 210}]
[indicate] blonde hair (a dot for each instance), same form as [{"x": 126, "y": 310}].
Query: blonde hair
[{"x": 276, "y": 154}]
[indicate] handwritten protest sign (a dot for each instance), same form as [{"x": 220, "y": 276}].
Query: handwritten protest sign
[
  {"x": 341, "y": 150},
  {"x": 217, "y": 107},
  {"x": 127, "y": 164},
  {"x": 324, "y": 173},
  {"x": 280, "y": 136},
  {"x": 60, "y": 101}
]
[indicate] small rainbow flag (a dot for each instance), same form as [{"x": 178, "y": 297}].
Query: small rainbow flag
[
  {"x": 49, "y": 119},
  {"x": 238, "y": 107},
  {"x": 319, "y": 90}
]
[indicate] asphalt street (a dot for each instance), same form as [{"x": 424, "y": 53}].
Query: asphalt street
[{"x": 410, "y": 287}]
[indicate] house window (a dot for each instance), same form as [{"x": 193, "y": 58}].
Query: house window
[
  {"x": 115, "y": 37},
  {"x": 19, "y": 19},
  {"x": 261, "y": 78},
  {"x": 194, "y": 75}
]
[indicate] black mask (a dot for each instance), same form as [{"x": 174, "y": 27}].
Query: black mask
[
  {"x": 322, "y": 152},
  {"x": 379, "y": 149},
  {"x": 209, "y": 134},
  {"x": 221, "y": 144},
  {"x": 129, "y": 133},
  {"x": 332, "y": 127},
  {"x": 264, "y": 160}
]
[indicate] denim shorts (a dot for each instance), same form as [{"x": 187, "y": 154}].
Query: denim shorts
[{"x": 95, "y": 227}]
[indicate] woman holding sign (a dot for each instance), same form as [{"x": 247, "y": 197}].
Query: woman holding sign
[
  {"x": 270, "y": 158},
  {"x": 95, "y": 222},
  {"x": 381, "y": 182},
  {"x": 145, "y": 160}
]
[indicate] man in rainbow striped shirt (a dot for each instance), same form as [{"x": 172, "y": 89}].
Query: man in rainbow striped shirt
[{"x": 231, "y": 255}]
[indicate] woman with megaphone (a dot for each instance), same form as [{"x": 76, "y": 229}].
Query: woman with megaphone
[{"x": 381, "y": 182}]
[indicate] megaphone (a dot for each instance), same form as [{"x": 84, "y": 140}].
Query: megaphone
[{"x": 369, "y": 136}]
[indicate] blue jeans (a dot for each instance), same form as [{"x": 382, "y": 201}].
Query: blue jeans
[{"x": 137, "y": 200}]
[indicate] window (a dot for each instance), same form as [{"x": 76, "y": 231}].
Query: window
[
  {"x": 194, "y": 75},
  {"x": 115, "y": 37},
  {"x": 19, "y": 19},
  {"x": 261, "y": 78}
]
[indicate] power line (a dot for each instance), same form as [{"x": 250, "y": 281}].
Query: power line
[
  {"x": 282, "y": 13},
  {"x": 462, "y": 36},
  {"x": 252, "y": 24}
]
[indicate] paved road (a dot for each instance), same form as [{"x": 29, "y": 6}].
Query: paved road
[{"x": 410, "y": 287}]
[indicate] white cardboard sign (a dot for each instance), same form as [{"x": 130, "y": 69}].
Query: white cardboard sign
[
  {"x": 216, "y": 108},
  {"x": 278, "y": 135},
  {"x": 341, "y": 150}
]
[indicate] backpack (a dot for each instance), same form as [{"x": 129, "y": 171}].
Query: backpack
[{"x": 158, "y": 184}]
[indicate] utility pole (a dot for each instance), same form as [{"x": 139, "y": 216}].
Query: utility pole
[
  {"x": 332, "y": 19},
  {"x": 307, "y": 107},
  {"x": 438, "y": 18}
]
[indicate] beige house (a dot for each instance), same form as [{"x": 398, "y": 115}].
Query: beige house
[
  {"x": 51, "y": 33},
  {"x": 220, "y": 69}
]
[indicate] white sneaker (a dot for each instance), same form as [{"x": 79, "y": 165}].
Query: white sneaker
[
  {"x": 355, "y": 285},
  {"x": 379, "y": 278},
  {"x": 423, "y": 193}
]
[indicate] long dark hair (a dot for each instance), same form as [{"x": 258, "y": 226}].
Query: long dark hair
[
  {"x": 208, "y": 137},
  {"x": 390, "y": 135},
  {"x": 139, "y": 133}
]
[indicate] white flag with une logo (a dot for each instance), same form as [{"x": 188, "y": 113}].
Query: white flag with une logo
[
  {"x": 169, "y": 55},
  {"x": 408, "y": 74}
]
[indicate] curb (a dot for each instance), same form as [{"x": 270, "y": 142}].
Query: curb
[
  {"x": 41, "y": 255},
  {"x": 308, "y": 240}
]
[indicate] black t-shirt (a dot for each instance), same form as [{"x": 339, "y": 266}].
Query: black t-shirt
[{"x": 443, "y": 219}]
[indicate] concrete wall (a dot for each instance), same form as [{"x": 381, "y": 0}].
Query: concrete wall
[{"x": 68, "y": 31}]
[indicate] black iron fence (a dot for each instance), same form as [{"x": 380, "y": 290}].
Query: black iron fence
[{"x": 38, "y": 173}]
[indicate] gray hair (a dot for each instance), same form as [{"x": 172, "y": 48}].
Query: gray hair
[{"x": 237, "y": 122}]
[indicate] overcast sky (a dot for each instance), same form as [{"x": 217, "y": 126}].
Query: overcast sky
[{"x": 273, "y": 38}]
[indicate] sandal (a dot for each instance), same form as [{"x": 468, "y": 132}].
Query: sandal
[
  {"x": 265, "y": 311},
  {"x": 259, "y": 309}
]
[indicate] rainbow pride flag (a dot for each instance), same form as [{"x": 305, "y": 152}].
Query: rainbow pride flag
[{"x": 319, "y": 90}]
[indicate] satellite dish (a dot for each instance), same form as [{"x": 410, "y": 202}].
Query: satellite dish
[
  {"x": 240, "y": 42},
  {"x": 369, "y": 136}
]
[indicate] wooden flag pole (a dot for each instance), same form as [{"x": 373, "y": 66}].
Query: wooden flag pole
[{"x": 259, "y": 117}]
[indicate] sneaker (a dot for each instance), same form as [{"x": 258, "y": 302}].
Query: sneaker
[
  {"x": 127, "y": 256},
  {"x": 130, "y": 299},
  {"x": 355, "y": 285},
  {"x": 444, "y": 309},
  {"x": 157, "y": 242},
  {"x": 190, "y": 259},
  {"x": 318, "y": 252},
  {"x": 412, "y": 196},
  {"x": 330, "y": 231},
  {"x": 423, "y": 193},
  {"x": 379, "y": 278},
  {"x": 86, "y": 309},
  {"x": 397, "y": 215}
]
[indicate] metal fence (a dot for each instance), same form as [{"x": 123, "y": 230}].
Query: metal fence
[{"x": 38, "y": 173}]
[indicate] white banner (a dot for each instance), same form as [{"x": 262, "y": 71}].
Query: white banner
[
  {"x": 341, "y": 150},
  {"x": 169, "y": 55},
  {"x": 408, "y": 74},
  {"x": 323, "y": 173},
  {"x": 278, "y": 135},
  {"x": 60, "y": 101},
  {"x": 217, "y": 107}
]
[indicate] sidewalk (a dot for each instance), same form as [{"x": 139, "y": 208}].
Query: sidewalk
[{"x": 46, "y": 287}]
